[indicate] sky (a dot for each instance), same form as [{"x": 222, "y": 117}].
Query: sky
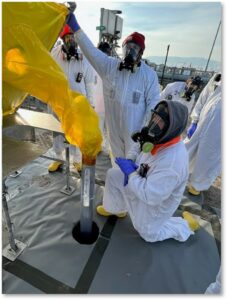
[{"x": 188, "y": 27}]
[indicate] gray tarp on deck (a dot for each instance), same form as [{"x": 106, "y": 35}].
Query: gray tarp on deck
[{"x": 118, "y": 262}]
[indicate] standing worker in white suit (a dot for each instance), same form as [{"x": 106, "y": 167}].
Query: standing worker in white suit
[
  {"x": 151, "y": 188},
  {"x": 183, "y": 91},
  {"x": 130, "y": 87},
  {"x": 81, "y": 79},
  {"x": 204, "y": 138},
  {"x": 99, "y": 98}
]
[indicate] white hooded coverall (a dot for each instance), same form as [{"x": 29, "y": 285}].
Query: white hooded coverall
[
  {"x": 152, "y": 200},
  {"x": 71, "y": 69},
  {"x": 204, "y": 97},
  {"x": 175, "y": 91},
  {"x": 204, "y": 147},
  {"x": 100, "y": 109},
  {"x": 129, "y": 97}
]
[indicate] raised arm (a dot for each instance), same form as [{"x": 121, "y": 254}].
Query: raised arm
[{"x": 101, "y": 62}]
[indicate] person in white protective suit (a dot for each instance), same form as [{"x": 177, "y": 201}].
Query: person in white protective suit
[
  {"x": 99, "y": 98},
  {"x": 130, "y": 87},
  {"x": 183, "y": 91},
  {"x": 215, "y": 287},
  {"x": 203, "y": 140},
  {"x": 151, "y": 188},
  {"x": 81, "y": 77}
]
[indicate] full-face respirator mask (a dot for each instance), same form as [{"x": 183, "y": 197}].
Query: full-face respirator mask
[
  {"x": 70, "y": 48},
  {"x": 154, "y": 131},
  {"x": 217, "y": 81},
  {"x": 189, "y": 91},
  {"x": 131, "y": 56},
  {"x": 192, "y": 88}
]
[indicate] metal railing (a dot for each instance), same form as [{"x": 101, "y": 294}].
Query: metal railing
[{"x": 172, "y": 74}]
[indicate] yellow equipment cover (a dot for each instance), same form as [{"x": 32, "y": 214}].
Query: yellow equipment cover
[{"x": 29, "y": 32}]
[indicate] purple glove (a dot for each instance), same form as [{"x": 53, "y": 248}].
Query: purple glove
[
  {"x": 127, "y": 166},
  {"x": 191, "y": 130},
  {"x": 72, "y": 22}
]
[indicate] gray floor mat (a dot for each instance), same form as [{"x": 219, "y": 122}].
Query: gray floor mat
[
  {"x": 119, "y": 262},
  {"x": 131, "y": 265},
  {"x": 15, "y": 285}
]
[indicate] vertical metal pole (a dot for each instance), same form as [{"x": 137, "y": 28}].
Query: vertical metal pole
[
  {"x": 212, "y": 47},
  {"x": 33, "y": 138},
  {"x": 173, "y": 74},
  {"x": 68, "y": 190},
  {"x": 165, "y": 64},
  {"x": 67, "y": 166},
  {"x": 8, "y": 221},
  {"x": 87, "y": 198},
  {"x": 101, "y": 20}
]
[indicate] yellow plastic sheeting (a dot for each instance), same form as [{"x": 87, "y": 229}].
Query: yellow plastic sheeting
[
  {"x": 46, "y": 20},
  {"x": 29, "y": 67}
]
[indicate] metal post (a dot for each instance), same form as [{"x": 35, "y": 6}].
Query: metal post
[
  {"x": 68, "y": 190},
  {"x": 15, "y": 247},
  {"x": 87, "y": 198},
  {"x": 33, "y": 136},
  {"x": 8, "y": 221},
  {"x": 173, "y": 74},
  {"x": 101, "y": 22},
  {"x": 165, "y": 64},
  {"x": 212, "y": 47},
  {"x": 67, "y": 166}
]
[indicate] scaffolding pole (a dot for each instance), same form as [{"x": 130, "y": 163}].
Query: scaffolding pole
[{"x": 212, "y": 47}]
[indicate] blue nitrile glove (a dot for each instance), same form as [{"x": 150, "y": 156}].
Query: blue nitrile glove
[
  {"x": 127, "y": 166},
  {"x": 72, "y": 22},
  {"x": 191, "y": 130}
]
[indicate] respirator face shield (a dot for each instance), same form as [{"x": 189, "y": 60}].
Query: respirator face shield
[
  {"x": 159, "y": 123},
  {"x": 217, "y": 81},
  {"x": 217, "y": 78},
  {"x": 190, "y": 90},
  {"x": 70, "y": 46},
  {"x": 131, "y": 53},
  {"x": 155, "y": 129},
  {"x": 193, "y": 84}
]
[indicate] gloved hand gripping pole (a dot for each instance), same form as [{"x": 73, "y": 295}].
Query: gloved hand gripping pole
[{"x": 71, "y": 7}]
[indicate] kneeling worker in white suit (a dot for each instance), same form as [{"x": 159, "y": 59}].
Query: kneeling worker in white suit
[{"x": 155, "y": 182}]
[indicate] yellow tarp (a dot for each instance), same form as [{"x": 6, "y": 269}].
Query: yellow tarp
[{"x": 29, "y": 32}]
